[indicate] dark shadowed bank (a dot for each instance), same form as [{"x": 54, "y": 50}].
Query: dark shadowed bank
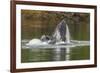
[{"x": 37, "y": 23}]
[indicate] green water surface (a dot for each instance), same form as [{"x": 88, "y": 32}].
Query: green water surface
[{"x": 35, "y": 23}]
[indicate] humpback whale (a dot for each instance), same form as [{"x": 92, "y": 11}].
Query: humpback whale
[
  {"x": 61, "y": 35},
  {"x": 61, "y": 32}
]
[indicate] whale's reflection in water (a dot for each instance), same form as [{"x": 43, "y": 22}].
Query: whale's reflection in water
[{"x": 45, "y": 53}]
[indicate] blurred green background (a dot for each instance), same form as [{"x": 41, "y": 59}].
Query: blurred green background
[{"x": 37, "y": 23}]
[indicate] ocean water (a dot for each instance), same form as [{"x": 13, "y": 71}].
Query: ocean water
[{"x": 50, "y": 53}]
